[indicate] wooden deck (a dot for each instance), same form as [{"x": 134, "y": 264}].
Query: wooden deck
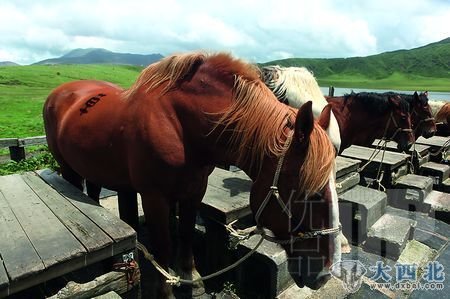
[{"x": 49, "y": 228}]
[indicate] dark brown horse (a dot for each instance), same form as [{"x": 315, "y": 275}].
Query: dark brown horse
[
  {"x": 163, "y": 136},
  {"x": 422, "y": 120},
  {"x": 364, "y": 117}
]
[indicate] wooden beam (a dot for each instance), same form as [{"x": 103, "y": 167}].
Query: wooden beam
[
  {"x": 122, "y": 234},
  {"x": 7, "y": 142},
  {"x": 19, "y": 256},
  {"x": 83, "y": 228},
  {"x": 111, "y": 281},
  {"x": 52, "y": 240},
  {"x": 36, "y": 140}
]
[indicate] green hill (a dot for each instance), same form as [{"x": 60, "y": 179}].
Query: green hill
[
  {"x": 23, "y": 90},
  {"x": 426, "y": 68}
]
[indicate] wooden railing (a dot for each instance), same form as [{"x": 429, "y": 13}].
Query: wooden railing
[{"x": 17, "y": 145}]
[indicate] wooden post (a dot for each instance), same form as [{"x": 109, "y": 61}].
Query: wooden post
[
  {"x": 17, "y": 153},
  {"x": 331, "y": 91}
]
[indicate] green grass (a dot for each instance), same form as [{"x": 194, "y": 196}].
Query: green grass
[
  {"x": 396, "y": 81},
  {"x": 42, "y": 159},
  {"x": 424, "y": 68},
  {"x": 23, "y": 90}
]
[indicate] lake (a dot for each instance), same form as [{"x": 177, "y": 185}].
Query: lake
[{"x": 432, "y": 95}]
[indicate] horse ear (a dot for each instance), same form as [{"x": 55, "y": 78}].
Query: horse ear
[
  {"x": 304, "y": 123},
  {"x": 324, "y": 118},
  {"x": 416, "y": 96},
  {"x": 394, "y": 100}
]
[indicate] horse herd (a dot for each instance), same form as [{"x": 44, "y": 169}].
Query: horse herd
[{"x": 185, "y": 114}]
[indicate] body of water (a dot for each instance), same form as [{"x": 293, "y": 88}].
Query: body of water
[{"x": 432, "y": 95}]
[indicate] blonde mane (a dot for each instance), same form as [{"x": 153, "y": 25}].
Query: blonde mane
[
  {"x": 170, "y": 69},
  {"x": 255, "y": 118}
]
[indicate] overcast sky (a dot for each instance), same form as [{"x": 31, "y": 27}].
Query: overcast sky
[{"x": 256, "y": 30}]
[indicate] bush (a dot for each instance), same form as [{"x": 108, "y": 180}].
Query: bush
[{"x": 38, "y": 161}]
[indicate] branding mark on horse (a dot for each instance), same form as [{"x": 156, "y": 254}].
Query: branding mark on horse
[{"x": 91, "y": 103}]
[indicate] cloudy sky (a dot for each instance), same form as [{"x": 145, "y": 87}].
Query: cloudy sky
[{"x": 256, "y": 30}]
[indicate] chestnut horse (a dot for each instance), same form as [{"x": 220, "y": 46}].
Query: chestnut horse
[
  {"x": 366, "y": 116},
  {"x": 422, "y": 119},
  {"x": 295, "y": 86},
  {"x": 163, "y": 136},
  {"x": 441, "y": 112}
]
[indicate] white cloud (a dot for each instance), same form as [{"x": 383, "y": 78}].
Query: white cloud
[{"x": 258, "y": 31}]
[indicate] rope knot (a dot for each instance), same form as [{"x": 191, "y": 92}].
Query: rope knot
[
  {"x": 274, "y": 188},
  {"x": 174, "y": 281}
]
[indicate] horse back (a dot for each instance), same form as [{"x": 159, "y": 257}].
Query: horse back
[{"x": 82, "y": 122}]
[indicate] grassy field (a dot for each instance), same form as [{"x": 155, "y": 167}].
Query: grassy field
[
  {"x": 23, "y": 90},
  {"x": 396, "y": 81}
]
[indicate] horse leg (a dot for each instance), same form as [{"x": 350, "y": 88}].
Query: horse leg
[
  {"x": 128, "y": 208},
  {"x": 71, "y": 176},
  {"x": 93, "y": 190},
  {"x": 156, "y": 211},
  {"x": 185, "y": 258}
]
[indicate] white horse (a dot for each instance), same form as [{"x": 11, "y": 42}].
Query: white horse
[{"x": 295, "y": 86}]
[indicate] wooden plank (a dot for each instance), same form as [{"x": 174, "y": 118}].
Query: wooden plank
[
  {"x": 37, "y": 140},
  {"x": 86, "y": 231},
  {"x": 435, "y": 141},
  {"x": 7, "y": 142},
  {"x": 345, "y": 166},
  {"x": 52, "y": 240},
  {"x": 391, "y": 159},
  {"x": 19, "y": 256},
  {"x": 122, "y": 234},
  {"x": 227, "y": 196},
  {"x": 422, "y": 149},
  {"x": 4, "y": 280}
]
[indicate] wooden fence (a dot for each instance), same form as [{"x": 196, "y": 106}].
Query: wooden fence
[{"x": 17, "y": 145}]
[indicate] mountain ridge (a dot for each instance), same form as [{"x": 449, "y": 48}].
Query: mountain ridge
[
  {"x": 101, "y": 56},
  {"x": 432, "y": 60}
]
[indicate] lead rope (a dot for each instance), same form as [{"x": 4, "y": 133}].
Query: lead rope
[{"x": 177, "y": 280}]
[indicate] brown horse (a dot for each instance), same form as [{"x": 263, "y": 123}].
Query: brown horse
[
  {"x": 422, "y": 119},
  {"x": 163, "y": 136},
  {"x": 364, "y": 117},
  {"x": 441, "y": 112}
]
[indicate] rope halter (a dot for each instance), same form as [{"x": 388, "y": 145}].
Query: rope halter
[{"x": 273, "y": 190}]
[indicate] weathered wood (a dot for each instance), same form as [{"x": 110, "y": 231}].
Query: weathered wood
[
  {"x": 227, "y": 196},
  {"x": 345, "y": 165},
  {"x": 112, "y": 281},
  {"x": 19, "y": 256},
  {"x": 36, "y": 140},
  {"x": 122, "y": 234},
  {"x": 83, "y": 228},
  {"x": 435, "y": 141},
  {"x": 391, "y": 159},
  {"x": 7, "y": 142},
  {"x": 422, "y": 149},
  {"x": 17, "y": 153},
  {"x": 52, "y": 240},
  {"x": 4, "y": 281}
]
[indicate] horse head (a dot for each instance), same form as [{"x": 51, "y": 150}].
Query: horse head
[
  {"x": 299, "y": 205},
  {"x": 398, "y": 126},
  {"x": 422, "y": 118}
]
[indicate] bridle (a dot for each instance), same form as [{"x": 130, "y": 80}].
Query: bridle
[
  {"x": 421, "y": 121},
  {"x": 273, "y": 190},
  {"x": 398, "y": 128}
]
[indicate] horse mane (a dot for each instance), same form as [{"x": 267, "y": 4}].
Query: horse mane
[
  {"x": 255, "y": 119},
  {"x": 436, "y": 107},
  {"x": 292, "y": 84},
  {"x": 377, "y": 102},
  {"x": 171, "y": 69}
]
